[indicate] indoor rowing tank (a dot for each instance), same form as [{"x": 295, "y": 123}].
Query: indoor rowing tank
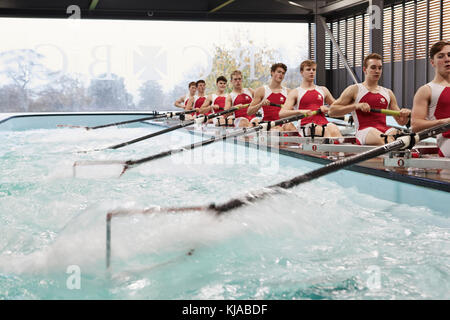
[{"x": 332, "y": 238}]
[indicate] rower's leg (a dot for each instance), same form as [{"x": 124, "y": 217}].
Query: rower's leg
[
  {"x": 331, "y": 130},
  {"x": 276, "y": 128},
  {"x": 244, "y": 123},
  {"x": 374, "y": 138},
  {"x": 289, "y": 127}
]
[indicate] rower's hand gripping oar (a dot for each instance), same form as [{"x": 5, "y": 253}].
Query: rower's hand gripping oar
[
  {"x": 200, "y": 119},
  {"x": 243, "y": 131},
  {"x": 346, "y": 118}
]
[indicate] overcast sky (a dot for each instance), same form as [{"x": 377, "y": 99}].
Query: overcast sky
[{"x": 143, "y": 50}]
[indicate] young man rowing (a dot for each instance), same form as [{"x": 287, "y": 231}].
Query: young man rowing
[
  {"x": 197, "y": 101},
  {"x": 183, "y": 101},
  {"x": 371, "y": 128},
  {"x": 431, "y": 106},
  {"x": 309, "y": 97},
  {"x": 215, "y": 102},
  {"x": 273, "y": 93},
  {"x": 238, "y": 97}
]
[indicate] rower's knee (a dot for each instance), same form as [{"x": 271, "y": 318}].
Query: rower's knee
[
  {"x": 244, "y": 123},
  {"x": 332, "y": 130},
  {"x": 374, "y": 137},
  {"x": 289, "y": 127}
]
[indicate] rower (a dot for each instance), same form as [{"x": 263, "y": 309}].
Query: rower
[
  {"x": 371, "y": 128},
  {"x": 183, "y": 101},
  {"x": 215, "y": 102},
  {"x": 273, "y": 93},
  {"x": 307, "y": 98},
  {"x": 238, "y": 97},
  {"x": 199, "y": 98},
  {"x": 431, "y": 104}
]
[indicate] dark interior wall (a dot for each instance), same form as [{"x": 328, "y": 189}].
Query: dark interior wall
[{"x": 409, "y": 30}]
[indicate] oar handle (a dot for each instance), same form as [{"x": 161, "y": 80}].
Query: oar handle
[
  {"x": 293, "y": 118},
  {"x": 276, "y": 105},
  {"x": 387, "y": 112}
]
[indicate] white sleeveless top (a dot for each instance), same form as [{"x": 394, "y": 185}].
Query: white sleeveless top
[
  {"x": 362, "y": 91},
  {"x": 436, "y": 94},
  {"x": 268, "y": 91}
]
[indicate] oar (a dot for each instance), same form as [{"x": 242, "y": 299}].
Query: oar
[
  {"x": 347, "y": 118},
  {"x": 387, "y": 112},
  {"x": 407, "y": 141},
  {"x": 243, "y": 131},
  {"x": 403, "y": 142},
  {"x": 200, "y": 119},
  {"x": 393, "y": 113},
  {"x": 155, "y": 116}
]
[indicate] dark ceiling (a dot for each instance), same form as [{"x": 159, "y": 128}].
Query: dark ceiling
[{"x": 190, "y": 10}]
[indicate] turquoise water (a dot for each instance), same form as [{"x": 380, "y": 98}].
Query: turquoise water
[{"x": 316, "y": 241}]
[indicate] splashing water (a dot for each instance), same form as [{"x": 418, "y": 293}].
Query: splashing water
[{"x": 316, "y": 241}]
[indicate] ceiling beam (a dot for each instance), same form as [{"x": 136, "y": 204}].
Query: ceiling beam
[
  {"x": 340, "y": 5},
  {"x": 221, "y": 6},
  {"x": 93, "y": 5}
]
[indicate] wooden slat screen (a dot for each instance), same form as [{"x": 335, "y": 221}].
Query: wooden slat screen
[
  {"x": 446, "y": 21},
  {"x": 311, "y": 41},
  {"x": 342, "y": 41},
  {"x": 421, "y": 30},
  {"x": 366, "y": 35},
  {"x": 398, "y": 33},
  {"x": 409, "y": 31},
  {"x": 350, "y": 41},
  {"x": 358, "y": 41},
  {"x": 328, "y": 49},
  {"x": 335, "y": 54},
  {"x": 387, "y": 34},
  {"x": 435, "y": 19}
]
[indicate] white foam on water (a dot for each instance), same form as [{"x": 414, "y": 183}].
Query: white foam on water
[{"x": 316, "y": 237}]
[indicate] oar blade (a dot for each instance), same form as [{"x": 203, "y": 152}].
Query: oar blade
[{"x": 87, "y": 169}]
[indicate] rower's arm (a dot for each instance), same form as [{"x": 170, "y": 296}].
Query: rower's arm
[
  {"x": 179, "y": 103},
  {"x": 345, "y": 103},
  {"x": 329, "y": 99},
  {"x": 287, "y": 110},
  {"x": 206, "y": 105},
  {"x": 257, "y": 101},
  {"x": 228, "y": 105},
  {"x": 403, "y": 118},
  {"x": 419, "y": 113}
]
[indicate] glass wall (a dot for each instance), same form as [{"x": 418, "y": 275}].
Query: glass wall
[{"x": 96, "y": 65}]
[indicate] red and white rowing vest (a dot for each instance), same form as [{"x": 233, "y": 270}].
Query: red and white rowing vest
[
  {"x": 220, "y": 101},
  {"x": 198, "y": 102},
  {"x": 186, "y": 99},
  {"x": 311, "y": 100},
  {"x": 379, "y": 100},
  {"x": 271, "y": 113},
  {"x": 242, "y": 98},
  {"x": 439, "y": 108}
]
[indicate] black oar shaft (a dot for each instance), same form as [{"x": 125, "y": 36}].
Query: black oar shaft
[
  {"x": 126, "y": 122},
  {"x": 120, "y": 145},
  {"x": 402, "y": 142},
  {"x": 242, "y": 131},
  {"x": 329, "y": 168},
  {"x": 179, "y": 126}
]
